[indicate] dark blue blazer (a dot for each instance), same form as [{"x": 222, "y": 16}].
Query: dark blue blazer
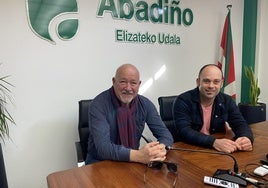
[{"x": 188, "y": 118}]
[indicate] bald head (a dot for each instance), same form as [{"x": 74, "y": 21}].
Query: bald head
[
  {"x": 127, "y": 68},
  {"x": 209, "y": 66},
  {"x": 126, "y": 83},
  {"x": 209, "y": 81}
]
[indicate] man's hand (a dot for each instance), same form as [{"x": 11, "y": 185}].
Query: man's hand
[
  {"x": 244, "y": 143},
  {"x": 229, "y": 146},
  {"x": 226, "y": 145},
  {"x": 153, "y": 151}
]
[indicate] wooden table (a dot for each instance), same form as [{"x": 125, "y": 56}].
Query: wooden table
[{"x": 192, "y": 167}]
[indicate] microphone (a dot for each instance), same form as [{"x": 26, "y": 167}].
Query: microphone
[
  {"x": 206, "y": 151},
  {"x": 250, "y": 180},
  {"x": 227, "y": 175}
]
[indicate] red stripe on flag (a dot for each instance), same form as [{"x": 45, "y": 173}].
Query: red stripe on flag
[{"x": 226, "y": 60}]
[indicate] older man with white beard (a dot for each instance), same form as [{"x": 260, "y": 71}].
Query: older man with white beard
[{"x": 117, "y": 118}]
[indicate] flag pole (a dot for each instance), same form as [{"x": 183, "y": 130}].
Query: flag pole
[{"x": 226, "y": 59}]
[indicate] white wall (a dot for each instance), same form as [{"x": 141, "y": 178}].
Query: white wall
[
  {"x": 261, "y": 54},
  {"x": 50, "y": 79}
]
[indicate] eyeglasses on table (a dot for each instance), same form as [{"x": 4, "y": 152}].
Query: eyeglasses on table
[{"x": 157, "y": 165}]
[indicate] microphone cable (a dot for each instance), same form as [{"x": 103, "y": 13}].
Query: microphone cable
[{"x": 235, "y": 168}]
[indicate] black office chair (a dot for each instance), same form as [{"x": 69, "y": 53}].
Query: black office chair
[
  {"x": 166, "y": 113},
  {"x": 3, "y": 176},
  {"x": 83, "y": 130}
]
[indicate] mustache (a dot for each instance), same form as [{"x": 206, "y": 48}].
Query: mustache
[{"x": 127, "y": 92}]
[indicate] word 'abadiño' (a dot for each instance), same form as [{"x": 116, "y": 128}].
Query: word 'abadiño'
[{"x": 163, "y": 11}]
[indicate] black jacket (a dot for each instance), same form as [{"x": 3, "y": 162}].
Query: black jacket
[{"x": 188, "y": 118}]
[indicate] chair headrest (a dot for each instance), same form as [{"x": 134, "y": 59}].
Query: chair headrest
[
  {"x": 166, "y": 107},
  {"x": 83, "y": 113}
]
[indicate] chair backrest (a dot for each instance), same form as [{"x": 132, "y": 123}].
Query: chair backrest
[
  {"x": 83, "y": 129},
  {"x": 166, "y": 113}
]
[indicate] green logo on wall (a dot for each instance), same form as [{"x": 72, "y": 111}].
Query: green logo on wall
[{"x": 53, "y": 18}]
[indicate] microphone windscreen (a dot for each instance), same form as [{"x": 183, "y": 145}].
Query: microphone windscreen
[{"x": 167, "y": 148}]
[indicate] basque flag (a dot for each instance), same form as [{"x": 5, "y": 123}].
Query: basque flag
[{"x": 226, "y": 60}]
